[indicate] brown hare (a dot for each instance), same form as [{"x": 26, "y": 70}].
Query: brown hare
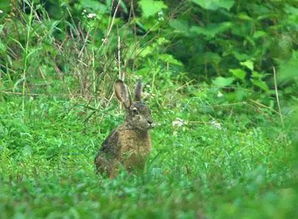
[{"x": 129, "y": 144}]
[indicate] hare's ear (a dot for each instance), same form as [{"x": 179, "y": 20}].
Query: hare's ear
[
  {"x": 122, "y": 93},
  {"x": 138, "y": 91}
]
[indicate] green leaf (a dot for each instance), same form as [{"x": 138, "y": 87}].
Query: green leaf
[
  {"x": 249, "y": 64},
  {"x": 169, "y": 59},
  {"x": 94, "y": 5},
  {"x": 27, "y": 151},
  {"x": 257, "y": 75},
  {"x": 244, "y": 16},
  {"x": 214, "y": 4},
  {"x": 180, "y": 26},
  {"x": 210, "y": 57},
  {"x": 223, "y": 82},
  {"x": 211, "y": 30},
  {"x": 240, "y": 56},
  {"x": 288, "y": 70},
  {"x": 291, "y": 10},
  {"x": 261, "y": 84},
  {"x": 259, "y": 34},
  {"x": 151, "y": 7},
  {"x": 153, "y": 47},
  {"x": 5, "y": 5},
  {"x": 207, "y": 58},
  {"x": 161, "y": 41},
  {"x": 2, "y": 47},
  {"x": 146, "y": 51},
  {"x": 238, "y": 73}
]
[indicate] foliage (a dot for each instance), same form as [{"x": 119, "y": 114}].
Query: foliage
[
  {"x": 200, "y": 167},
  {"x": 220, "y": 77},
  {"x": 240, "y": 41},
  {"x": 234, "y": 44}
]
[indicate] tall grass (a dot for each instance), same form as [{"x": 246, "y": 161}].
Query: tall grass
[
  {"x": 211, "y": 158},
  {"x": 65, "y": 58}
]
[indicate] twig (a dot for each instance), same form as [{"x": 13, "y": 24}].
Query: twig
[
  {"x": 277, "y": 97},
  {"x": 119, "y": 59},
  {"x": 184, "y": 85},
  {"x": 84, "y": 45},
  {"x": 112, "y": 24},
  {"x": 263, "y": 106},
  {"x": 20, "y": 93}
]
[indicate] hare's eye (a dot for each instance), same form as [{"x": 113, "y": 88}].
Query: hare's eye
[{"x": 135, "y": 110}]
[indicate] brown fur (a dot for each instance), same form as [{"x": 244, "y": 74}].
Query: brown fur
[{"x": 129, "y": 145}]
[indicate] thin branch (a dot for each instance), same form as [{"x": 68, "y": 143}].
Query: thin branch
[
  {"x": 277, "y": 97},
  {"x": 84, "y": 45},
  {"x": 112, "y": 24},
  {"x": 119, "y": 58}
]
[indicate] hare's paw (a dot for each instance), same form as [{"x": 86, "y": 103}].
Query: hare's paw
[
  {"x": 108, "y": 167},
  {"x": 102, "y": 164}
]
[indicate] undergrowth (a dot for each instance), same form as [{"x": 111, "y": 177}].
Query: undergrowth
[
  {"x": 200, "y": 166},
  {"x": 220, "y": 79}
]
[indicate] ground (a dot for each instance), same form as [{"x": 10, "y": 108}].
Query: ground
[{"x": 203, "y": 164}]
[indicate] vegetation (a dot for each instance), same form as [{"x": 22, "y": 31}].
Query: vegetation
[{"x": 221, "y": 80}]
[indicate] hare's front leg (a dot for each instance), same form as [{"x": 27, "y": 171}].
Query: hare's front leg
[
  {"x": 114, "y": 168},
  {"x": 103, "y": 165},
  {"x": 108, "y": 167},
  {"x": 134, "y": 162}
]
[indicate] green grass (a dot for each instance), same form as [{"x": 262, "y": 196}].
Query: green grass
[
  {"x": 230, "y": 158},
  {"x": 241, "y": 169}
]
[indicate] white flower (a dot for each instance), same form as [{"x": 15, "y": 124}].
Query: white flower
[
  {"x": 178, "y": 122},
  {"x": 91, "y": 15},
  {"x": 145, "y": 94},
  {"x": 219, "y": 94},
  {"x": 160, "y": 16},
  {"x": 104, "y": 40},
  {"x": 1, "y": 11},
  {"x": 216, "y": 124}
]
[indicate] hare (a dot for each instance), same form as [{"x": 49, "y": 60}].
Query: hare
[{"x": 129, "y": 144}]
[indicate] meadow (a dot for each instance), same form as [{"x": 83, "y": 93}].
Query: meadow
[
  {"x": 201, "y": 166},
  {"x": 220, "y": 79}
]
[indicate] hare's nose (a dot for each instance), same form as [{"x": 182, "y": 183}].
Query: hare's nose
[{"x": 151, "y": 124}]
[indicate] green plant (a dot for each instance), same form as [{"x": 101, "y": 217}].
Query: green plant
[{"x": 220, "y": 78}]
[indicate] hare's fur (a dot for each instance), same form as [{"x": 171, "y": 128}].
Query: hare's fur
[{"x": 128, "y": 145}]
